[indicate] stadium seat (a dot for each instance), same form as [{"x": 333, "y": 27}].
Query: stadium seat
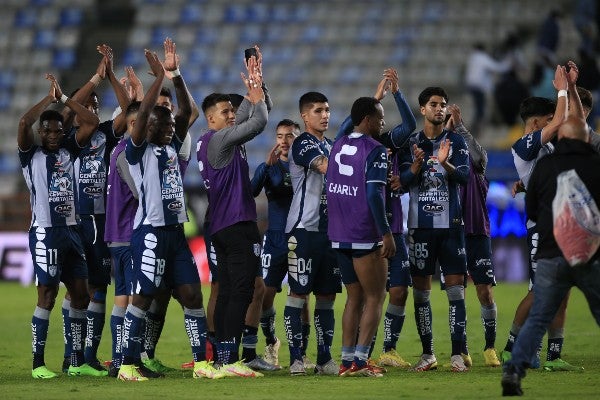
[{"x": 64, "y": 58}]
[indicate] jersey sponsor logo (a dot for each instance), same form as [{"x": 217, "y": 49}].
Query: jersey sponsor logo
[
  {"x": 345, "y": 169},
  {"x": 92, "y": 170},
  {"x": 175, "y": 206},
  {"x": 61, "y": 187},
  {"x": 171, "y": 184},
  {"x": 63, "y": 209},
  {"x": 433, "y": 208},
  {"x": 529, "y": 140},
  {"x": 94, "y": 191},
  {"x": 345, "y": 190}
]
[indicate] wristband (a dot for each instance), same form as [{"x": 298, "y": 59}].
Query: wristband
[
  {"x": 175, "y": 73},
  {"x": 562, "y": 93},
  {"x": 96, "y": 79},
  {"x": 64, "y": 98}
]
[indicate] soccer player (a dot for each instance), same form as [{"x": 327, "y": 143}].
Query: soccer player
[
  {"x": 435, "y": 167},
  {"x": 312, "y": 263},
  {"x": 356, "y": 180},
  {"x": 398, "y": 269},
  {"x": 155, "y": 317},
  {"x": 160, "y": 254},
  {"x": 542, "y": 118},
  {"x": 91, "y": 169},
  {"x": 232, "y": 210},
  {"x": 274, "y": 176},
  {"x": 54, "y": 239},
  {"x": 478, "y": 245}
]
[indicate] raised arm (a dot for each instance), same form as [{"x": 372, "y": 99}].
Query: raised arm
[
  {"x": 575, "y": 106},
  {"x": 401, "y": 132},
  {"x": 138, "y": 135},
  {"x": 478, "y": 153},
  {"x": 25, "y": 136},
  {"x": 88, "y": 121},
  {"x": 119, "y": 123},
  {"x": 184, "y": 99},
  {"x": 560, "y": 114}
]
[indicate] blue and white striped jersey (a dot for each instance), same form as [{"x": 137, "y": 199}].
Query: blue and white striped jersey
[
  {"x": 309, "y": 203},
  {"x": 527, "y": 151},
  {"x": 155, "y": 170},
  {"x": 50, "y": 179},
  {"x": 434, "y": 194},
  {"x": 91, "y": 169}
]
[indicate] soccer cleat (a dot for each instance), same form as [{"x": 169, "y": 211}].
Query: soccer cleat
[
  {"x": 96, "y": 365},
  {"x": 113, "y": 371},
  {"x": 366, "y": 370},
  {"x": 392, "y": 359},
  {"x": 86, "y": 370},
  {"x": 308, "y": 365},
  {"x": 297, "y": 368},
  {"x": 329, "y": 368},
  {"x": 511, "y": 384},
  {"x": 505, "y": 356},
  {"x": 259, "y": 364},
  {"x": 344, "y": 370},
  {"x": 205, "y": 369},
  {"x": 147, "y": 372},
  {"x": 238, "y": 368},
  {"x": 272, "y": 352},
  {"x": 458, "y": 364},
  {"x": 43, "y": 373},
  {"x": 491, "y": 358},
  {"x": 130, "y": 373},
  {"x": 154, "y": 364},
  {"x": 467, "y": 359},
  {"x": 66, "y": 364},
  {"x": 375, "y": 367},
  {"x": 187, "y": 365},
  {"x": 560, "y": 365},
  {"x": 426, "y": 362}
]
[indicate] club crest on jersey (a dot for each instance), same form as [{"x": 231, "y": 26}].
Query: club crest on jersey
[{"x": 303, "y": 280}]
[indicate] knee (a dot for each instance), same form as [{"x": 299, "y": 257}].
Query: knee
[
  {"x": 398, "y": 295},
  {"x": 191, "y": 298},
  {"x": 47, "y": 298}
]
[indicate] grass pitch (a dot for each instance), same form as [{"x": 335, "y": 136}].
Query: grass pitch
[{"x": 582, "y": 344}]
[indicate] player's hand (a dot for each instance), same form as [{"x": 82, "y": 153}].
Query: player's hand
[
  {"x": 573, "y": 73},
  {"x": 55, "y": 87},
  {"x": 388, "y": 249},
  {"x": 418, "y": 158},
  {"x": 273, "y": 155},
  {"x": 517, "y": 187},
  {"x": 253, "y": 82},
  {"x": 560, "y": 78},
  {"x": 135, "y": 83},
  {"x": 455, "y": 117},
  {"x": 171, "y": 62},
  {"x": 107, "y": 52},
  {"x": 394, "y": 182},
  {"x": 156, "y": 66},
  {"x": 392, "y": 76},
  {"x": 444, "y": 151},
  {"x": 382, "y": 88}
]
